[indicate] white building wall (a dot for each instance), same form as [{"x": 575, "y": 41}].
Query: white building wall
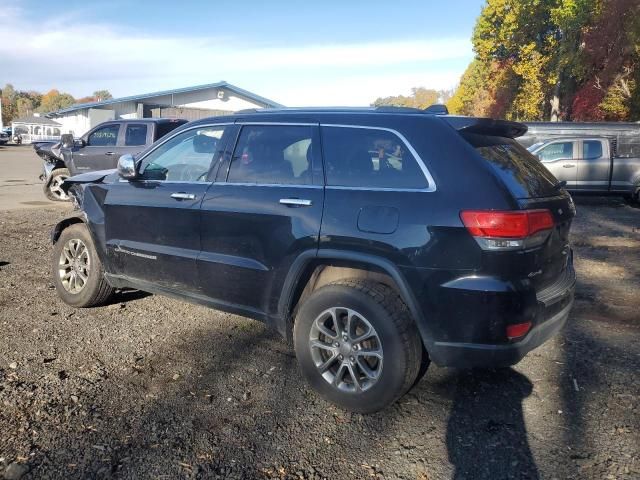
[
  {"x": 124, "y": 109},
  {"x": 76, "y": 122},
  {"x": 208, "y": 99},
  {"x": 80, "y": 121}
]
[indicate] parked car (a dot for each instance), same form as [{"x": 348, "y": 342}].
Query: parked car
[
  {"x": 98, "y": 149},
  {"x": 352, "y": 232},
  {"x": 4, "y": 137},
  {"x": 591, "y": 165}
]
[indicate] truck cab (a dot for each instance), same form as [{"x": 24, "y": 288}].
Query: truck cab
[
  {"x": 98, "y": 149},
  {"x": 589, "y": 164}
]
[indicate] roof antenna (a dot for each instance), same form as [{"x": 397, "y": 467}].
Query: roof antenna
[{"x": 437, "y": 109}]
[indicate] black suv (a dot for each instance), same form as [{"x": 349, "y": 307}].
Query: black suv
[{"x": 376, "y": 239}]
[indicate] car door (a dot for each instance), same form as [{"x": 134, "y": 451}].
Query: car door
[
  {"x": 152, "y": 223},
  {"x": 560, "y": 158},
  {"x": 263, "y": 211},
  {"x": 99, "y": 149},
  {"x": 594, "y": 165}
]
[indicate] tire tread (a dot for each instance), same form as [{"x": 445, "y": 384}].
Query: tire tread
[{"x": 391, "y": 301}]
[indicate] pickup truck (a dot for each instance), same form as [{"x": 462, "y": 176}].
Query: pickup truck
[
  {"x": 98, "y": 149},
  {"x": 591, "y": 165}
]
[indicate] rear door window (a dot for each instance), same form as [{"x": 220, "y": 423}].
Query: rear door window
[
  {"x": 591, "y": 149},
  {"x": 273, "y": 154},
  {"x": 521, "y": 172},
  {"x": 135, "y": 134},
  {"x": 369, "y": 158}
]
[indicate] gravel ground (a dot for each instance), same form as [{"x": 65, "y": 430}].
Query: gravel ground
[{"x": 150, "y": 387}]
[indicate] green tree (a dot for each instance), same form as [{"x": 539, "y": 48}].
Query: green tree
[
  {"x": 9, "y": 97},
  {"x": 101, "y": 95},
  {"x": 420, "y": 98}
]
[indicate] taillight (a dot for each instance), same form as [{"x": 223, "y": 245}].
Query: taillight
[{"x": 508, "y": 230}]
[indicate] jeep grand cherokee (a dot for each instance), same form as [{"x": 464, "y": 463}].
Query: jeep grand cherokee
[{"x": 376, "y": 239}]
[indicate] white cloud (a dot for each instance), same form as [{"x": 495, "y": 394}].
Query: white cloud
[{"x": 80, "y": 57}]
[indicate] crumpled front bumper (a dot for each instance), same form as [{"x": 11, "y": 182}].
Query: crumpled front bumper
[{"x": 47, "y": 168}]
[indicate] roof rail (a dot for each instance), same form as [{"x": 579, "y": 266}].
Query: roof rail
[
  {"x": 437, "y": 109},
  {"x": 397, "y": 109}
]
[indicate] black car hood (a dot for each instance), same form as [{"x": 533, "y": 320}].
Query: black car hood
[{"x": 99, "y": 176}]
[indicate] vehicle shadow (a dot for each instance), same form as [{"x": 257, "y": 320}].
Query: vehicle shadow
[
  {"x": 486, "y": 433},
  {"x": 125, "y": 296}
]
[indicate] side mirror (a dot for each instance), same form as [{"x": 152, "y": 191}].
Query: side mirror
[
  {"x": 79, "y": 142},
  {"x": 127, "y": 167},
  {"x": 67, "y": 140}
]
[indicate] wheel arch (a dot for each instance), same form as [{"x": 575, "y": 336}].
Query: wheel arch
[
  {"x": 79, "y": 217},
  {"x": 306, "y": 275},
  {"x": 66, "y": 223}
]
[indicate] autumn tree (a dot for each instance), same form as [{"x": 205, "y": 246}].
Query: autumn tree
[
  {"x": 54, "y": 100},
  {"x": 554, "y": 59},
  {"x": 419, "y": 98}
]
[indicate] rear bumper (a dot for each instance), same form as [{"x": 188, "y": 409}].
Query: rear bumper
[
  {"x": 469, "y": 355},
  {"x": 553, "y": 307}
]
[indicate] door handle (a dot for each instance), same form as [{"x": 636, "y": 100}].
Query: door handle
[
  {"x": 295, "y": 202},
  {"x": 568, "y": 165},
  {"x": 110, "y": 153},
  {"x": 183, "y": 196}
]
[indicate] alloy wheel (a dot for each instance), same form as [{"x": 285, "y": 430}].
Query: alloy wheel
[
  {"x": 346, "y": 349},
  {"x": 74, "y": 266},
  {"x": 55, "y": 187}
]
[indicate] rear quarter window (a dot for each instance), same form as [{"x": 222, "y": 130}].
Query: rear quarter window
[{"x": 520, "y": 171}]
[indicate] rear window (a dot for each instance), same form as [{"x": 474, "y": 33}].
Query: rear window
[
  {"x": 521, "y": 172},
  {"x": 628, "y": 146},
  {"x": 165, "y": 127}
]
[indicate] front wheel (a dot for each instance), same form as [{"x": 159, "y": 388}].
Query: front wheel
[
  {"x": 53, "y": 186},
  {"x": 357, "y": 345},
  {"x": 78, "y": 274}
]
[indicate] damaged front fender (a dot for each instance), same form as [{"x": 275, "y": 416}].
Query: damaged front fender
[{"x": 98, "y": 176}]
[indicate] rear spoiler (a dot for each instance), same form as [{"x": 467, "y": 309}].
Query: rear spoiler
[{"x": 487, "y": 126}]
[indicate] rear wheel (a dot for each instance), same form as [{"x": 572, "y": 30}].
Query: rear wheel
[
  {"x": 53, "y": 187},
  {"x": 357, "y": 345},
  {"x": 77, "y": 271}
]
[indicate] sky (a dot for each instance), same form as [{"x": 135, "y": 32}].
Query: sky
[{"x": 298, "y": 53}]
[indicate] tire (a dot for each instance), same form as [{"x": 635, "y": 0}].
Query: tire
[
  {"x": 93, "y": 291},
  {"x": 343, "y": 380},
  {"x": 52, "y": 188}
]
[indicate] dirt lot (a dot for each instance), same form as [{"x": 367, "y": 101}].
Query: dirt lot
[{"x": 150, "y": 387}]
